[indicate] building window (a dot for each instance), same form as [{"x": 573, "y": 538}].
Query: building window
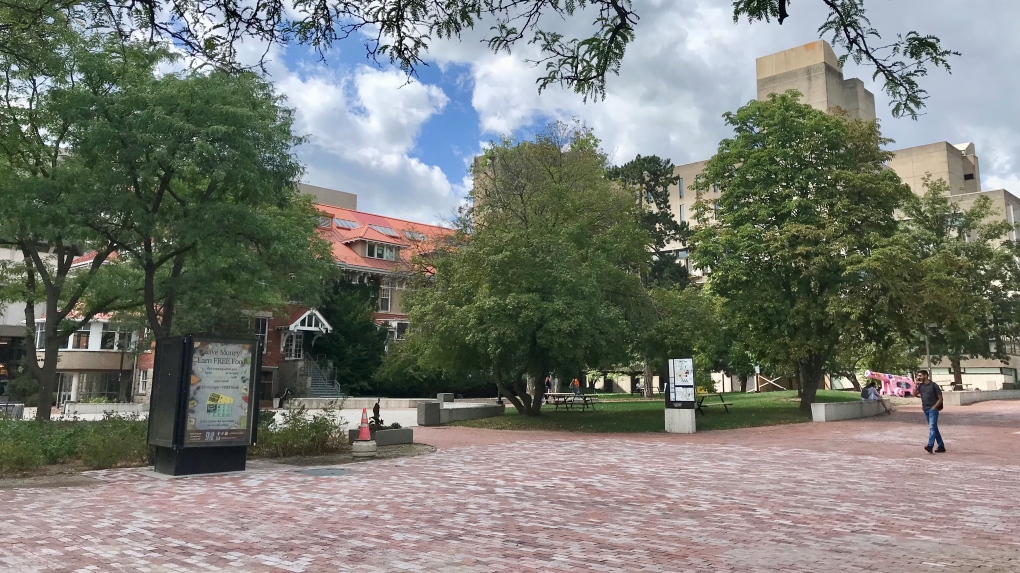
[
  {"x": 143, "y": 382},
  {"x": 968, "y": 176},
  {"x": 112, "y": 339},
  {"x": 325, "y": 222},
  {"x": 715, "y": 188},
  {"x": 401, "y": 331},
  {"x": 345, "y": 223},
  {"x": 385, "y": 252},
  {"x": 681, "y": 183},
  {"x": 680, "y": 213},
  {"x": 715, "y": 207},
  {"x": 262, "y": 332},
  {"x": 80, "y": 339},
  {"x": 385, "y": 293},
  {"x": 40, "y": 337},
  {"x": 293, "y": 346}
]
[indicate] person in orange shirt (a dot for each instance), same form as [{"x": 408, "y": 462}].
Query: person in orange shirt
[{"x": 575, "y": 386}]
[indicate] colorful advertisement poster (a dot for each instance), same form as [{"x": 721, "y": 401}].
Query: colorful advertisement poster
[{"x": 218, "y": 407}]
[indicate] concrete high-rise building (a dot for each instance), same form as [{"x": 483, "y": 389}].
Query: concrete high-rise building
[{"x": 814, "y": 71}]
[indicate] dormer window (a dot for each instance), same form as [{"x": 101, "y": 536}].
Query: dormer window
[
  {"x": 325, "y": 222},
  {"x": 345, "y": 223},
  {"x": 384, "y": 252}
]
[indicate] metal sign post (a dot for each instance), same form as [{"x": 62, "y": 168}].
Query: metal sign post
[{"x": 680, "y": 399}]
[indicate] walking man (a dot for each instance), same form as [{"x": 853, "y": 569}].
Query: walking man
[{"x": 931, "y": 405}]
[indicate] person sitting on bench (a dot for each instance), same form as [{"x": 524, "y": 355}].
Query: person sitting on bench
[{"x": 870, "y": 394}]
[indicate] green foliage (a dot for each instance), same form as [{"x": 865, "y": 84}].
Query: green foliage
[
  {"x": 402, "y": 375},
  {"x": 688, "y": 325},
  {"x": 804, "y": 245},
  {"x": 356, "y": 346},
  {"x": 20, "y": 388},
  {"x": 299, "y": 434},
  {"x": 964, "y": 277},
  {"x": 548, "y": 278},
  {"x": 649, "y": 178}
]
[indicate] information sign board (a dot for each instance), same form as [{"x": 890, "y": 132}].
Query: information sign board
[{"x": 680, "y": 390}]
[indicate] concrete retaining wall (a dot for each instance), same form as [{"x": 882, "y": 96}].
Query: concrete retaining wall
[
  {"x": 78, "y": 408},
  {"x": 355, "y": 403},
  {"x": 434, "y": 413},
  {"x": 832, "y": 411},
  {"x": 965, "y": 397}
]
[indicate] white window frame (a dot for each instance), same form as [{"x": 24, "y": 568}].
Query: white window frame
[
  {"x": 385, "y": 293},
  {"x": 681, "y": 184},
  {"x": 143, "y": 382},
  {"x": 87, "y": 329},
  {"x": 293, "y": 346}
]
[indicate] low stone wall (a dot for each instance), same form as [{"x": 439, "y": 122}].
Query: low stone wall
[
  {"x": 79, "y": 408},
  {"x": 386, "y": 437},
  {"x": 355, "y": 403},
  {"x": 435, "y": 413},
  {"x": 833, "y": 411},
  {"x": 965, "y": 397}
]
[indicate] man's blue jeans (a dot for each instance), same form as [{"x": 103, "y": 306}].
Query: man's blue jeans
[{"x": 933, "y": 428}]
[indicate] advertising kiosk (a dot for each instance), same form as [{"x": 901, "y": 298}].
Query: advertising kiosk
[{"x": 203, "y": 408}]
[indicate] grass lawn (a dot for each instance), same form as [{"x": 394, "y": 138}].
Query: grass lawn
[{"x": 635, "y": 414}]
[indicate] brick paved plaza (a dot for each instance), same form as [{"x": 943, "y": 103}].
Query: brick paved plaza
[{"x": 846, "y": 496}]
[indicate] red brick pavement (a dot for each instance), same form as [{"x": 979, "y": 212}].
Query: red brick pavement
[{"x": 849, "y": 496}]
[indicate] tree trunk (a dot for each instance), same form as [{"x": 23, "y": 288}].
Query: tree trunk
[
  {"x": 811, "y": 373},
  {"x": 954, "y": 361},
  {"x": 854, "y": 381},
  {"x": 649, "y": 389}
]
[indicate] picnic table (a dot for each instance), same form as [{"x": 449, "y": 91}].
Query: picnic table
[
  {"x": 570, "y": 399},
  {"x": 701, "y": 404}
]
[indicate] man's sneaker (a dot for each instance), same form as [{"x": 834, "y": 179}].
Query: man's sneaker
[
  {"x": 941, "y": 450},
  {"x": 929, "y": 449}
]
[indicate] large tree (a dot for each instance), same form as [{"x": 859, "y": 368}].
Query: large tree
[
  {"x": 806, "y": 203},
  {"x": 965, "y": 278},
  {"x": 197, "y": 180},
  {"x": 402, "y": 32},
  {"x": 649, "y": 179},
  {"x": 46, "y": 201},
  {"x": 547, "y": 281}
]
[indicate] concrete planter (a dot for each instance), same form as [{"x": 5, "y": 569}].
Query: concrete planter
[
  {"x": 833, "y": 411},
  {"x": 386, "y": 437},
  {"x": 965, "y": 397},
  {"x": 436, "y": 413}
]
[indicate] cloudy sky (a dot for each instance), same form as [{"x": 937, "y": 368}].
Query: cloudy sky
[{"x": 404, "y": 148}]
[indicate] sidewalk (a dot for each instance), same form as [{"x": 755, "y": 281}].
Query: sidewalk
[{"x": 837, "y": 497}]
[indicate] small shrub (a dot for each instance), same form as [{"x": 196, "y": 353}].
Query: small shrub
[
  {"x": 299, "y": 434},
  {"x": 114, "y": 441},
  {"x": 18, "y": 457}
]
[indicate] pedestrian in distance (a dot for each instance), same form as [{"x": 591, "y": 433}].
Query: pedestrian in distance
[{"x": 931, "y": 405}]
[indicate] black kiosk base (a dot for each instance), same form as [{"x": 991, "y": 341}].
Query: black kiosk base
[{"x": 192, "y": 461}]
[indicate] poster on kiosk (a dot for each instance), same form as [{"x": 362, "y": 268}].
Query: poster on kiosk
[
  {"x": 680, "y": 393},
  {"x": 202, "y": 412}
]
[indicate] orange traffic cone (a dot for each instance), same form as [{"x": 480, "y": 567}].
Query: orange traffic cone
[{"x": 363, "y": 433}]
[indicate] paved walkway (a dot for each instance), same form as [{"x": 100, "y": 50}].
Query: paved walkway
[{"x": 846, "y": 496}]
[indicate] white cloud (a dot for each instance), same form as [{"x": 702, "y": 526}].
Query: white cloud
[{"x": 361, "y": 127}]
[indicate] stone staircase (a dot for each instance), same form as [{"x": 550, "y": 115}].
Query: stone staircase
[{"x": 323, "y": 380}]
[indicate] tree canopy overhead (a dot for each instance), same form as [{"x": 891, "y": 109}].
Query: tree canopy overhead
[{"x": 402, "y": 32}]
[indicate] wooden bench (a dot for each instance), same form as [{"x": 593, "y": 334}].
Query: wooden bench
[{"x": 701, "y": 404}]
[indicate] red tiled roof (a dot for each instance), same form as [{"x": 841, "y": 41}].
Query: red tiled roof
[
  {"x": 344, "y": 240},
  {"x": 89, "y": 257},
  {"x": 383, "y": 316}
]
